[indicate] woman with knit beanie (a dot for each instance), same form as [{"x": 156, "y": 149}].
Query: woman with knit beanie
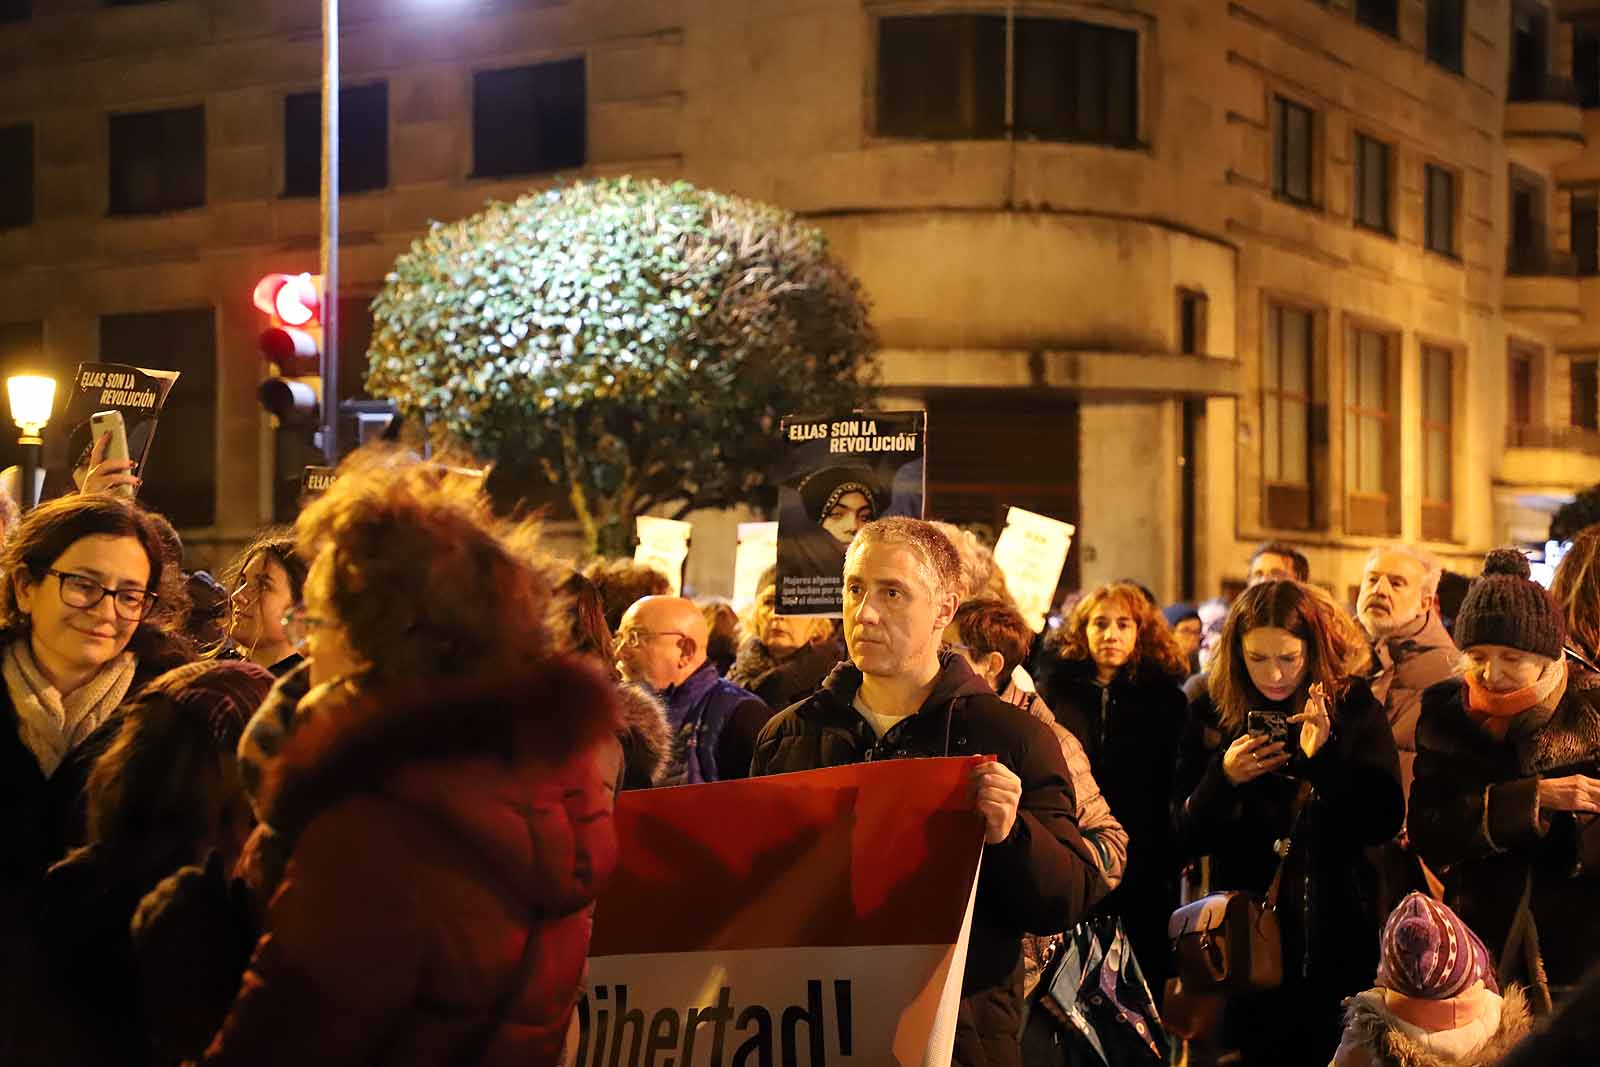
[
  {"x": 1437, "y": 1002},
  {"x": 1508, "y": 783}
]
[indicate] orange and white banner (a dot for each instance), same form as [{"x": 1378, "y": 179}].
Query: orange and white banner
[{"x": 801, "y": 919}]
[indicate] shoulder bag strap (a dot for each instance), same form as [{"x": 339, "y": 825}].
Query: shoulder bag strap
[
  {"x": 1302, "y": 798},
  {"x": 473, "y": 1050}
]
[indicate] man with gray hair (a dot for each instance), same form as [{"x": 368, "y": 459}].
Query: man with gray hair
[
  {"x": 901, "y": 695},
  {"x": 1398, "y": 607}
]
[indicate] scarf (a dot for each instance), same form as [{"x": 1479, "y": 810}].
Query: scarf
[
  {"x": 50, "y": 725},
  {"x": 1495, "y": 712}
]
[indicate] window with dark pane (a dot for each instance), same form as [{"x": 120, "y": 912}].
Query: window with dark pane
[
  {"x": 1439, "y": 210},
  {"x": 1192, "y": 305},
  {"x": 1586, "y": 64},
  {"x": 363, "y": 141},
  {"x": 1287, "y": 363},
  {"x": 181, "y": 472},
  {"x": 1370, "y": 473},
  {"x": 1585, "y": 376},
  {"x": 530, "y": 120},
  {"x": 1372, "y": 184},
  {"x": 355, "y": 337},
  {"x": 1292, "y": 152},
  {"x": 1586, "y": 232},
  {"x": 1446, "y": 31},
  {"x": 15, "y": 10},
  {"x": 942, "y": 76},
  {"x": 1381, "y": 15},
  {"x": 1519, "y": 387},
  {"x": 16, "y": 176},
  {"x": 1076, "y": 81},
  {"x": 1530, "y": 42},
  {"x": 1438, "y": 488},
  {"x": 158, "y": 161}
]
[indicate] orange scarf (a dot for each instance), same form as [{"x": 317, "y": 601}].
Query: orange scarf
[{"x": 1494, "y": 712}]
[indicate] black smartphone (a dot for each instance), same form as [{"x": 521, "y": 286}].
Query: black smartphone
[{"x": 1273, "y": 724}]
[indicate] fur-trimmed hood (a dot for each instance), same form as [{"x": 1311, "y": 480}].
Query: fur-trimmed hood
[
  {"x": 476, "y": 757},
  {"x": 1375, "y": 1036},
  {"x": 646, "y": 737}
]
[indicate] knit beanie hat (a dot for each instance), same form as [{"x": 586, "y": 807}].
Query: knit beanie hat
[
  {"x": 1176, "y": 613},
  {"x": 1506, "y": 607},
  {"x": 1429, "y": 953},
  {"x": 226, "y": 692}
]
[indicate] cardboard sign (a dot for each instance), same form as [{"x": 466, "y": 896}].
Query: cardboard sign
[
  {"x": 664, "y": 545},
  {"x": 843, "y": 472},
  {"x": 802, "y": 919},
  {"x": 137, "y": 392},
  {"x": 1031, "y": 551},
  {"x": 757, "y": 551}
]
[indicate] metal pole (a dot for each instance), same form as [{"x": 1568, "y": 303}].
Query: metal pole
[
  {"x": 330, "y": 232},
  {"x": 27, "y": 496}
]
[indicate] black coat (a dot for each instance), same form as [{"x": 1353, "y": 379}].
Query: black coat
[
  {"x": 1475, "y": 817},
  {"x": 1130, "y": 730},
  {"x": 1042, "y": 879},
  {"x": 1327, "y": 904},
  {"x": 781, "y": 683}
]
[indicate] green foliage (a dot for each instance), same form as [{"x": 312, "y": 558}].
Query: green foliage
[
  {"x": 633, "y": 340},
  {"x": 1581, "y": 512}
]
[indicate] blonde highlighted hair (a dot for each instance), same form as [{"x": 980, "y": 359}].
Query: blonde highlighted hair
[{"x": 1576, "y": 589}]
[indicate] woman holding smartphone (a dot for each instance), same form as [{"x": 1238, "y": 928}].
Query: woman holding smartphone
[
  {"x": 1507, "y": 788},
  {"x": 1315, "y": 782}
]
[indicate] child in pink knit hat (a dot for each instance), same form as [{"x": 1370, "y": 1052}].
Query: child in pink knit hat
[{"x": 1436, "y": 1002}]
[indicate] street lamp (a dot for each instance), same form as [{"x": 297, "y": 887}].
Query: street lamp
[{"x": 32, "y": 397}]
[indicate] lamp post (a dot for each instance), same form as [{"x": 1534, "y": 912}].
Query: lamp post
[
  {"x": 330, "y": 232},
  {"x": 32, "y": 397}
]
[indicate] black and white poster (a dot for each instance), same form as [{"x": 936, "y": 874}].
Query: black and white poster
[{"x": 843, "y": 472}]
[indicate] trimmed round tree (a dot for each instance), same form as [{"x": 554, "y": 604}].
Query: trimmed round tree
[{"x": 634, "y": 342}]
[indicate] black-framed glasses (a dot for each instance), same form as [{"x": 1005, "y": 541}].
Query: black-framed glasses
[
  {"x": 297, "y": 626},
  {"x": 635, "y": 638},
  {"x": 81, "y": 591}
]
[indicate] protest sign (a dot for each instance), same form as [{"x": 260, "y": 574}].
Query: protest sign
[
  {"x": 842, "y": 473},
  {"x": 137, "y": 392},
  {"x": 1031, "y": 551},
  {"x": 810, "y": 918},
  {"x": 314, "y": 481},
  {"x": 757, "y": 551},
  {"x": 664, "y": 545}
]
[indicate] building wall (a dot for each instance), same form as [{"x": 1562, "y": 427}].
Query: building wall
[{"x": 993, "y": 264}]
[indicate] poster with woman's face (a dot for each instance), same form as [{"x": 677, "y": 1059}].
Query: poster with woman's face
[{"x": 843, "y": 473}]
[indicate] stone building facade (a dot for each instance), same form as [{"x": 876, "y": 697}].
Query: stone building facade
[{"x": 1190, "y": 275}]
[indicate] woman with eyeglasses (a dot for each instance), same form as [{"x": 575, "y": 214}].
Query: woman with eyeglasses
[
  {"x": 264, "y": 582},
  {"x": 82, "y": 628}
]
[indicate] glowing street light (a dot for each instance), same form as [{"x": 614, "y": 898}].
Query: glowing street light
[{"x": 32, "y": 398}]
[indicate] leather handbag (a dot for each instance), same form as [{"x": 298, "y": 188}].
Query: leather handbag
[{"x": 1228, "y": 941}]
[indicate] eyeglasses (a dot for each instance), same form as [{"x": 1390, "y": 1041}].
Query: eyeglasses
[
  {"x": 297, "y": 626},
  {"x": 81, "y": 591},
  {"x": 635, "y": 638}
]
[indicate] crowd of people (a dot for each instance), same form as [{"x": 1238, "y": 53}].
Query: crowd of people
[{"x": 352, "y": 802}]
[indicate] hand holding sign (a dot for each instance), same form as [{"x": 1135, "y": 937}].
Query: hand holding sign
[{"x": 996, "y": 793}]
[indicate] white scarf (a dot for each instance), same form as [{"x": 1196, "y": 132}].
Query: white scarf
[{"x": 50, "y": 726}]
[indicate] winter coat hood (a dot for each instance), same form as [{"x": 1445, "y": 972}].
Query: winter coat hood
[
  {"x": 488, "y": 762},
  {"x": 956, "y": 678},
  {"x": 1375, "y": 1035},
  {"x": 646, "y": 737}
]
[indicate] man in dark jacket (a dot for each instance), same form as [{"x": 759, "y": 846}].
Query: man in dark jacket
[
  {"x": 898, "y": 698},
  {"x": 662, "y": 644}
]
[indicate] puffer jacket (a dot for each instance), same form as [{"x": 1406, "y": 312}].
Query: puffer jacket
[
  {"x": 1475, "y": 816},
  {"x": 1375, "y": 1037},
  {"x": 435, "y": 903},
  {"x": 1408, "y": 661},
  {"x": 1042, "y": 879}
]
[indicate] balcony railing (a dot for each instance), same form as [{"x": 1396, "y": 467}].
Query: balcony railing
[
  {"x": 1530, "y": 87},
  {"x": 1567, "y": 438},
  {"x": 1540, "y": 262}
]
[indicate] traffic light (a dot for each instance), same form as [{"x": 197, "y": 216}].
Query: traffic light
[{"x": 292, "y": 344}]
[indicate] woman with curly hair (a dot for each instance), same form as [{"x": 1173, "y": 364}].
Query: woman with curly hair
[
  {"x": 1576, "y": 588},
  {"x": 1116, "y": 687},
  {"x": 436, "y": 811},
  {"x": 1288, "y": 757}
]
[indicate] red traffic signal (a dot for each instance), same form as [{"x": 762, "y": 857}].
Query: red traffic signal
[{"x": 292, "y": 343}]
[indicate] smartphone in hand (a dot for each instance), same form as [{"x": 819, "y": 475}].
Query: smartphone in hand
[
  {"x": 110, "y": 422},
  {"x": 1274, "y": 725}
]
